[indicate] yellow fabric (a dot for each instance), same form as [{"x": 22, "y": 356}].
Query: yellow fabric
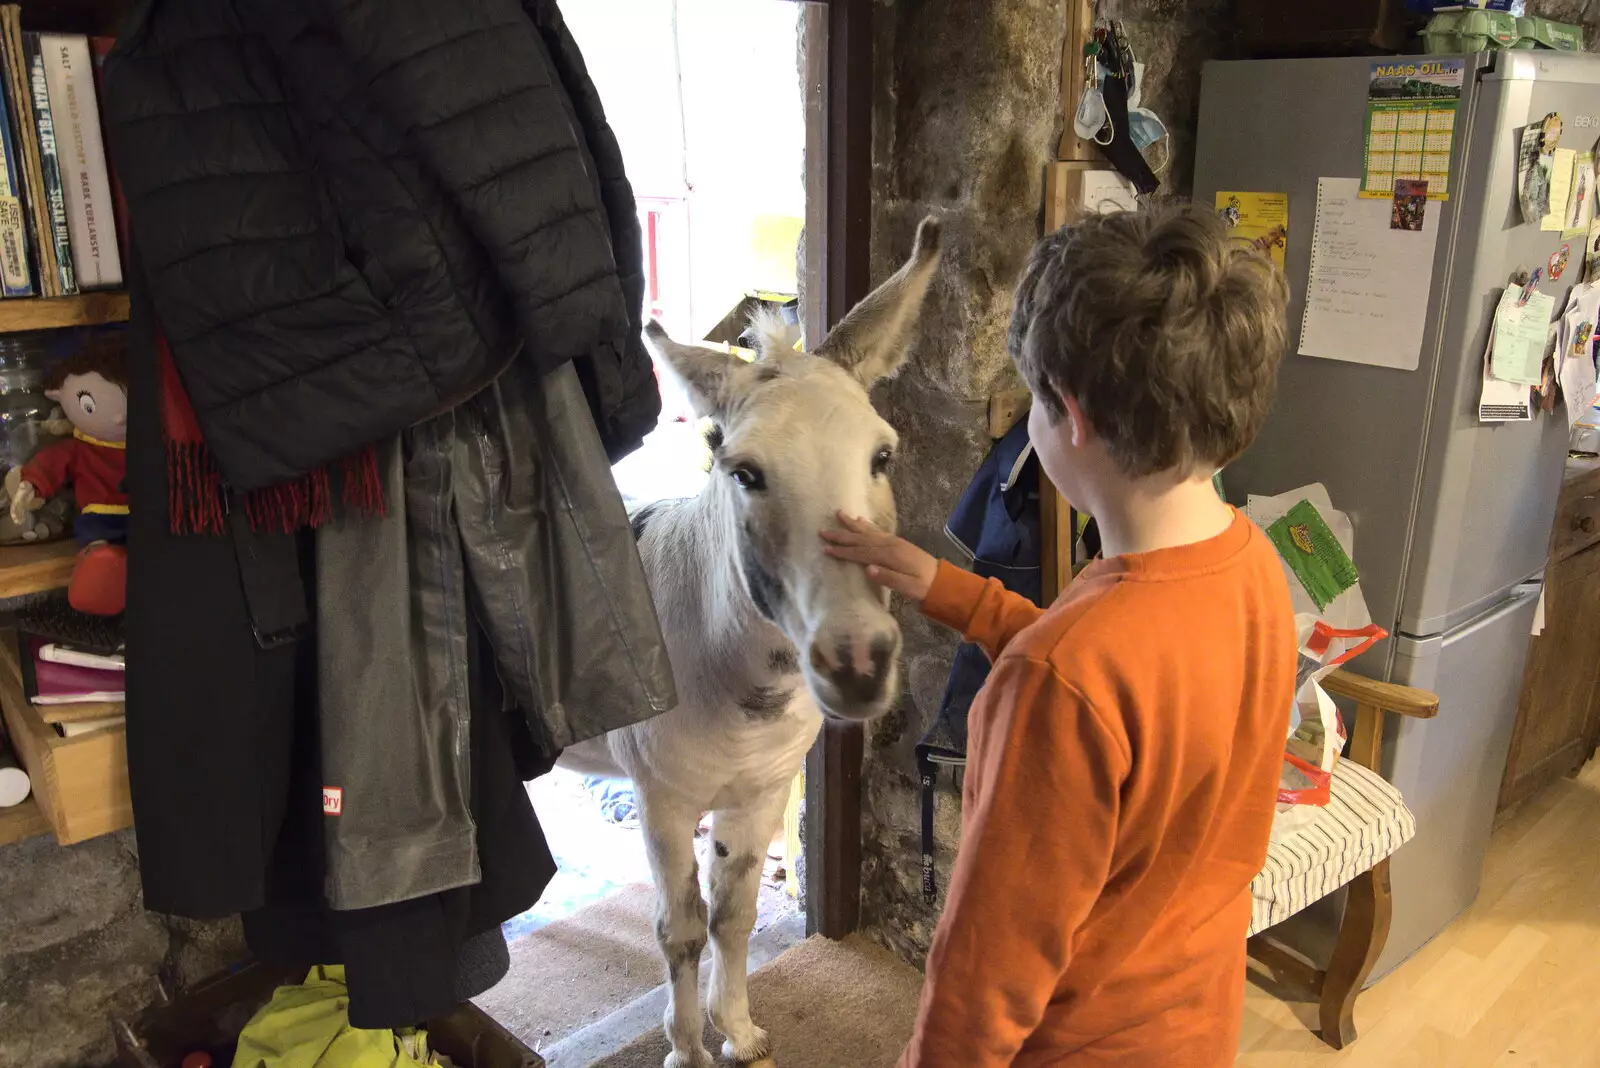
[
  {"x": 308, "y": 1026},
  {"x": 81, "y": 436},
  {"x": 105, "y": 509}
]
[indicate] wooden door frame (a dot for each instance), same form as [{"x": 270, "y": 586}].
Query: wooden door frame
[{"x": 837, "y": 95}]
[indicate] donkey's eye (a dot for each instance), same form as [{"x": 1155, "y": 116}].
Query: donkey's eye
[
  {"x": 881, "y": 461},
  {"x": 748, "y": 477}
]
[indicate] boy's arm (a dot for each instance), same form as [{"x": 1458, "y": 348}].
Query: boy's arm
[
  {"x": 981, "y": 609},
  {"x": 1037, "y": 841}
]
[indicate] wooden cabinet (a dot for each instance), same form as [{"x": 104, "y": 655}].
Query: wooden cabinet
[{"x": 1558, "y": 716}]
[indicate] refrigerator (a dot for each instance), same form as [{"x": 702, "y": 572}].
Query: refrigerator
[{"x": 1452, "y": 516}]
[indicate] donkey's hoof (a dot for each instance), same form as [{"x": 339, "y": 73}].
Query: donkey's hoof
[
  {"x": 756, "y": 1046},
  {"x": 699, "y": 1057}
]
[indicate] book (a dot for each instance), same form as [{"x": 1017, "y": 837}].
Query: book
[
  {"x": 56, "y": 242},
  {"x": 78, "y": 711},
  {"x": 81, "y": 152},
  {"x": 101, "y": 48},
  {"x": 31, "y": 181},
  {"x": 16, "y": 272},
  {"x": 66, "y": 684},
  {"x": 64, "y": 653},
  {"x": 84, "y": 726},
  {"x": 53, "y": 620}
]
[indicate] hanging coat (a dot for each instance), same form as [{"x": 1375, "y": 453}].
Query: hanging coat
[{"x": 996, "y": 524}]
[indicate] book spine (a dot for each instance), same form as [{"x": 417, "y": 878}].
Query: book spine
[
  {"x": 50, "y": 166},
  {"x": 101, "y": 47},
  {"x": 69, "y": 80},
  {"x": 27, "y": 152},
  {"x": 16, "y": 279}
]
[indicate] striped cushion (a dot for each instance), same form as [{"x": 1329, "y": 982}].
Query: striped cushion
[{"x": 1364, "y": 821}]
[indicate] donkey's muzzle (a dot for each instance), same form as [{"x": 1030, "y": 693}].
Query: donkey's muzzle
[{"x": 855, "y": 678}]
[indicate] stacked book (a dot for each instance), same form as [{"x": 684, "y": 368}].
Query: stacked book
[
  {"x": 75, "y": 689},
  {"x": 58, "y": 234}
]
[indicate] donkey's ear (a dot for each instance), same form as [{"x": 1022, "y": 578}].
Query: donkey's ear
[
  {"x": 705, "y": 373},
  {"x": 872, "y": 341}
]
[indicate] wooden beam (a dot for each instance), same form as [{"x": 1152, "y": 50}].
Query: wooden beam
[
  {"x": 1006, "y": 409},
  {"x": 840, "y": 62},
  {"x": 1080, "y": 29}
]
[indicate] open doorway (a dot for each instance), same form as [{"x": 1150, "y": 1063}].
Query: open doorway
[{"x": 707, "y": 102}]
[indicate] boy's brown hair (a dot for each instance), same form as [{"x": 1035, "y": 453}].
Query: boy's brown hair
[{"x": 1164, "y": 332}]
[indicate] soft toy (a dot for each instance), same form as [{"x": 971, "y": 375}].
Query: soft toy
[{"x": 92, "y": 392}]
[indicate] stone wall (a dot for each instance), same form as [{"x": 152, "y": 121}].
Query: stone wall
[
  {"x": 965, "y": 118},
  {"x": 76, "y": 946}
]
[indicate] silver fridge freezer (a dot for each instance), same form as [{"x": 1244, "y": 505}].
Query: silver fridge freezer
[{"x": 1452, "y": 516}]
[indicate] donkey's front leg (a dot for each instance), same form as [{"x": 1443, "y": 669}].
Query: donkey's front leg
[
  {"x": 740, "y": 837},
  {"x": 680, "y": 920}
]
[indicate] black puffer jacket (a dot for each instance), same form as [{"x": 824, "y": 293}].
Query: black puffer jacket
[{"x": 353, "y": 214}]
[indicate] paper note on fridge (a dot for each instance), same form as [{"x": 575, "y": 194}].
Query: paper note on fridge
[
  {"x": 1562, "y": 172},
  {"x": 1521, "y": 332},
  {"x": 1575, "y": 349},
  {"x": 1367, "y": 294}
]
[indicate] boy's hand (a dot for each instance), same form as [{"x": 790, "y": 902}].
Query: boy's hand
[{"x": 891, "y": 561}]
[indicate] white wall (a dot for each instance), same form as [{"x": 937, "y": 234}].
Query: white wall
[{"x": 737, "y": 153}]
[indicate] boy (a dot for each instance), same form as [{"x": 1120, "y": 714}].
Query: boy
[{"x": 1124, "y": 754}]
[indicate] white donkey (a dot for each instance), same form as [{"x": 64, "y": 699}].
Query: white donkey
[{"x": 766, "y": 634}]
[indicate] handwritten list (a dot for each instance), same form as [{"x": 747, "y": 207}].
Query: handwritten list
[{"x": 1367, "y": 294}]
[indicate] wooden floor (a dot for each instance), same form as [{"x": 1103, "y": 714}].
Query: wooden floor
[{"x": 1515, "y": 983}]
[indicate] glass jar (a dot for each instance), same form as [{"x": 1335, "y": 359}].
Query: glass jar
[{"x": 24, "y": 409}]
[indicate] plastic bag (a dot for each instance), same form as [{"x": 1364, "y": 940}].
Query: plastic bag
[
  {"x": 1328, "y": 636},
  {"x": 1316, "y": 731}
]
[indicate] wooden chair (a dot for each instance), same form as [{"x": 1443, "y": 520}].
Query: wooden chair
[{"x": 1365, "y": 925}]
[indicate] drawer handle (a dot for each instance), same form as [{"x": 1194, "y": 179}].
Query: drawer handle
[{"x": 1584, "y": 524}]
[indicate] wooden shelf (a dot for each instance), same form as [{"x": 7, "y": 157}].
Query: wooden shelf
[
  {"x": 22, "y": 821},
  {"x": 26, "y": 569},
  {"x": 80, "y": 784},
  {"x": 50, "y": 313}
]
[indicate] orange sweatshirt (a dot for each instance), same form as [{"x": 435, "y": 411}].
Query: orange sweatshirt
[{"x": 1122, "y": 772}]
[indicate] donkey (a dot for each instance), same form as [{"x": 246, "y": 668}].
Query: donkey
[{"x": 766, "y": 634}]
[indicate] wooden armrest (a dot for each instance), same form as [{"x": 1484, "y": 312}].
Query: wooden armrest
[{"x": 1389, "y": 696}]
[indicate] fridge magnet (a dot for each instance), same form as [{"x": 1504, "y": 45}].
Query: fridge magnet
[
  {"x": 1410, "y": 201},
  {"x": 1547, "y": 385},
  {"x": 1258, "y": 221},
  {"x": 1411, "y": 120},
  {"x": 1533, "y": 175},
  {"x": 1530, "y": 285},
  {"x": 1552, "y": 131},
  {"x": 1558, "y": 261}
]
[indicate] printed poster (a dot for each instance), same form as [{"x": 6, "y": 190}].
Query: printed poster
[
  {"x": 1411, "y": 124},
  {"x": 1259, "y": 221}
]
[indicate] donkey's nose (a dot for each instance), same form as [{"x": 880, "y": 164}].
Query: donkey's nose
[{"x": 858, "y": 670}]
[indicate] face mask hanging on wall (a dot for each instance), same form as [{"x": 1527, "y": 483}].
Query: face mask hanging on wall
[
  {"x": 1147, "y": 131},
  {"x": 1118, "y": 82}
]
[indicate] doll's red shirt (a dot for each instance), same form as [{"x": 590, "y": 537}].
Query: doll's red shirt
[{"x": 95, "y": 469}]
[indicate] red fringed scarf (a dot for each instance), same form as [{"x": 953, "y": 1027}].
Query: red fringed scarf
[{"x": 194, "y": 485}]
